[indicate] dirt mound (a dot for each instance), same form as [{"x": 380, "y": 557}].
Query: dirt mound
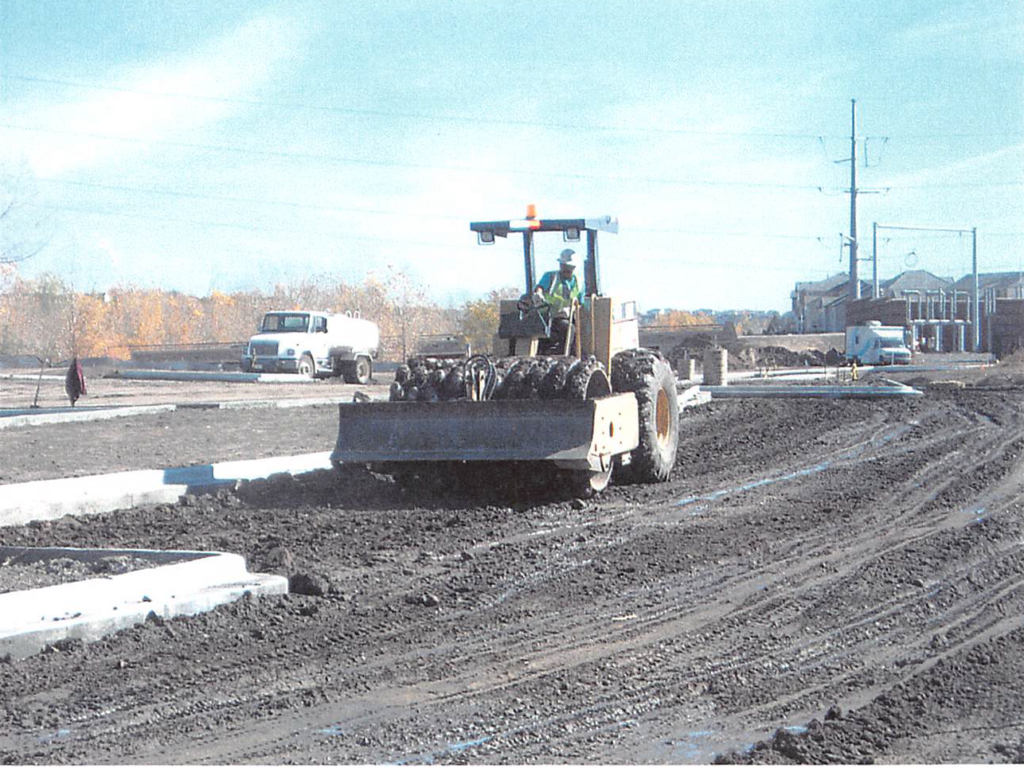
[
  {"x": 695, "y": 346},
  {"x": 746, "y": 358}
]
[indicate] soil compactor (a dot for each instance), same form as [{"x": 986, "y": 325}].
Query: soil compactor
[{"x": 584, "y": 405}]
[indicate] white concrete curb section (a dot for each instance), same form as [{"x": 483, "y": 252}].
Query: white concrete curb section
[
  {"x": 825, "y": 392},
  {"x": 240, "y": 377},
  {"x": 692, "y": 396},
  {"x": 21, "y": 503},
  {"x": 21, "y": 417},
  {"x": 26, "y": 417},
  {"x": 191, "y": 582},
  {"x": 32, "y": 377}
]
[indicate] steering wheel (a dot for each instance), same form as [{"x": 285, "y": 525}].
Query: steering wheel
[{"x": 533, "y": 302}]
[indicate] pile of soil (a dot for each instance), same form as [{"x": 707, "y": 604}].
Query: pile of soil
[
  {"x": 696, "y": 345},
  {"x": 744, "y": 358}
]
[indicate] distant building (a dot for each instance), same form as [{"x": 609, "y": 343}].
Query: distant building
[
  {"x": 937, "y": 312},
  {"x": 819, "y": 307},
  {"x": 994, "y": 285},
  {"x": 823, "y": 306},
  {"x": 914, "y": 280}
]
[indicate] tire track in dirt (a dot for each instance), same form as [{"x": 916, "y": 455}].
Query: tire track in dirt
[{"x": 602, "y": 633}]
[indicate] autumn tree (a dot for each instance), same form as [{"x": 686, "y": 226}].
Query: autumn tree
[
  {"x": 679, "y": 318},
  {"x": 46, "y": 317},
  {"x": 479, "y": 321}
]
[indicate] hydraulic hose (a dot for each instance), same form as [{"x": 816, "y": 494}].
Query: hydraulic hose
[{"x": 481, "y": 378}]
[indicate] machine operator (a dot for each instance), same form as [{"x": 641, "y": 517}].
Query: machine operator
[{"x": 560, "y": 288}]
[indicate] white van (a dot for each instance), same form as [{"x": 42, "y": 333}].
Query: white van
[
  {"x": 877, "y": 344},
  {"x": 314, "y": 344}
]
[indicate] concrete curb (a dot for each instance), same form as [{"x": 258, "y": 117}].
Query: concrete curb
[
  {"x": 824, "y": 392},
  {"x": 21, "y": 503},
  {"x": 296, "y": 402},
  {"x": 24, "y": 417},
  {"x": 32, "y": 377},
  {"x": 692, "y": 396},
  {"x": 180, "y": 583},
  {"x": 241, "y": 377}
]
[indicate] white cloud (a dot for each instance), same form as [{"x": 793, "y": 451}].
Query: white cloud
[
  {"x": 992, "y": 167},
  {"x": 230, "y": 67},
  {"x": 971, "y": 29}
]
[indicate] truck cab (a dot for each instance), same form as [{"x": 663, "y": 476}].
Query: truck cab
[{"x": 314, "y": 344}]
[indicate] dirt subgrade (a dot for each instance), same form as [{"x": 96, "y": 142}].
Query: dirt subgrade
[
  {"x": 822, "y": 582},
  {"x": 16, "y": 575}
]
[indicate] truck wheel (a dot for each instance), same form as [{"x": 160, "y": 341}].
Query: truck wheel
[
  {"x": 649, "y": 376},
  {"x": 364, "y": 370},
  {"x": 307, "y": 368}
]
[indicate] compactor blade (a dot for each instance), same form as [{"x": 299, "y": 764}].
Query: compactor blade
[{"x": 574, "y": 434}]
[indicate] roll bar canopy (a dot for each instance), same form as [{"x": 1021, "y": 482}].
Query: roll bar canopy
[{"x": 571, "y": 230}]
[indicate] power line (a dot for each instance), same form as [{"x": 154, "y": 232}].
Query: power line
[
  {"x": 246, "y": 200},
  {"x": 959, "y": 185},
  {"x": 575, "y": 127},
  {"x": 513, "y": 171},
  {"x": 714, "y": 233},
  {"x": 231, "y": 225},
  {"x": 393, "y": 212},
  {"x": 417, "y": 166},
  {"x": 746, "y": 266},
  {"x": 306, "y": 231}
]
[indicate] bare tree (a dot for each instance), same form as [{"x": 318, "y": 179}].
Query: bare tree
[{"x": 21, "y": 227}]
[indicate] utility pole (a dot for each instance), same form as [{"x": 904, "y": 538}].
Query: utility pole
[
  {"x": 854, "y": 272},
  {"x": 977, "y": 294}
]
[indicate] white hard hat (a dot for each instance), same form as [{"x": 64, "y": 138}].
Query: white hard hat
[{"x": 567, "y": 257}]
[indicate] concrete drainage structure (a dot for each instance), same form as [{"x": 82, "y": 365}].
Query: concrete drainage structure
[{"x": 178, "y": 583}]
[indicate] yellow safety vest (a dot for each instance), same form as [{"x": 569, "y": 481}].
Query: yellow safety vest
[{"x": 559, "y": 293}]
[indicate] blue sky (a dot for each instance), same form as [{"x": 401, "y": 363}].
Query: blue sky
[{"x": 220, "y": 146}]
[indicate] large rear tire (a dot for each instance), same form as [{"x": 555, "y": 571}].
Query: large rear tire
[{"x": 648, "y": 375}]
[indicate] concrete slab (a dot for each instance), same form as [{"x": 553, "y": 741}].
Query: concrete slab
[
  {"x": 179, "y": 583},
  {"x": 839, "y": 391},
  {"x": 274, "y": 378},
  {"x": 692, "y": 396},
  {"x": 299, "y": 402},
  {"x": 21, "y": 503},
  {"x": 22, "y": 417},
  {"x": 47, "y": 377}
]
